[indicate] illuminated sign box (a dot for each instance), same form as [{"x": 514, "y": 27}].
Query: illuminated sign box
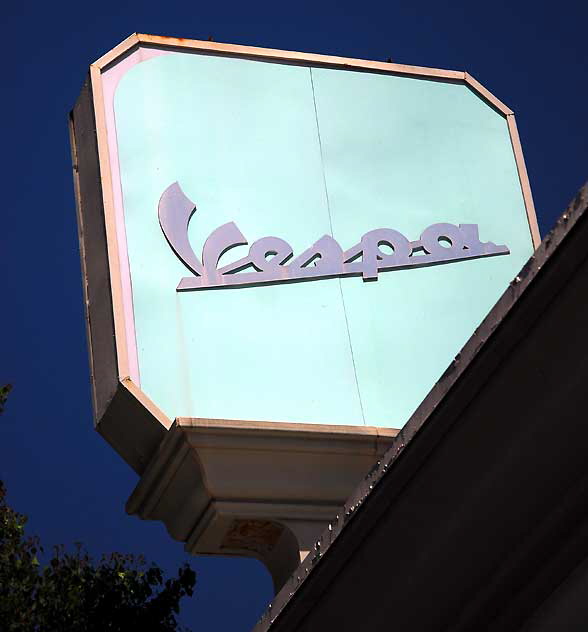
[{"x": 284, "y": 237}]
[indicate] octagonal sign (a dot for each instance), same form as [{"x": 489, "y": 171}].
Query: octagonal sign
[{"x": 277, "y": 236}]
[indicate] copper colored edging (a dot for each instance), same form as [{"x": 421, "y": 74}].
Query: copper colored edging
[
  {"x": 524, "y": 180},
  {"x": 109, "y": 219}
]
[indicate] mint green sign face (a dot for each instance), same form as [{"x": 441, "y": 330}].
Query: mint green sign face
[{"x": 299, "y": 152}]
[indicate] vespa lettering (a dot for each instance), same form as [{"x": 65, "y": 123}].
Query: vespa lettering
[{"x": 271, "y": 260}]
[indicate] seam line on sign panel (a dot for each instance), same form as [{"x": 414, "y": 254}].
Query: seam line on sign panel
[{"x": 318, "y": 131}]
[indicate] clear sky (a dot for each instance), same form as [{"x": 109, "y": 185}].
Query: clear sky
[{"x": 531, "y": 55}]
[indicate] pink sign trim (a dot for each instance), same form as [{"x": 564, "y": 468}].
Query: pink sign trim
[{"x": 110, "y": 81}]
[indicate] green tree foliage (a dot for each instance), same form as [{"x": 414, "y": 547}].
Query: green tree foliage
[
  {"x": 72, "y": 593},
  {"x": 4, "y": 390}
]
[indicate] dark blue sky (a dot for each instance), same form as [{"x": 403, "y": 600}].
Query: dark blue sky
[{"x": 531, "y": 55}]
